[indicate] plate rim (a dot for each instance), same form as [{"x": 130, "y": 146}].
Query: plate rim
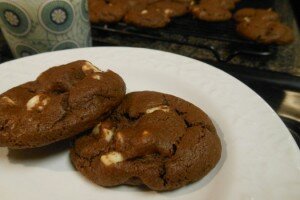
[
  {"x": 284, "y": 133},
  {"x": 158, "y": 51}
]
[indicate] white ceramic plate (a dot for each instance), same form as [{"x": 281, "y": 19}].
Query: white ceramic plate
[{"x": 260, "y": 159}]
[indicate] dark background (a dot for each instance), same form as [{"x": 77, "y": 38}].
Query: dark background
[{"x": 296, "y": 7}]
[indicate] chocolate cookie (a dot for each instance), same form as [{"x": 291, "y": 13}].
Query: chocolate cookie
[
  {"x": 226, "y": 4},
  {"x": 139, "y": 4},
  {"x": 147, "y": 17},
  {"x": 151, "y": 139},
  {"x": 170, "y": 8},
  {"x": 263, "y": 26},
  {"x": 211, "y": 13},
  {"x": 214, "y": 10},
  {"x": 154, "y": 14},
  {"x": 107, "y": 11},
  {"x": 250, "y": 13},
  {"x": 62, "y": 102}
]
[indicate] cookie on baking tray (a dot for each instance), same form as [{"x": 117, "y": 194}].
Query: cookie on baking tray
[
  {"x": 138, "y": 4},
  {"x": 214, "y": 10},
  {"x": 151, "y": 139},
  {"x": 148, "y": 18},
  {"x": 62, "y": 102},
  {"x": 142, "y": 13},
  {"x": 170, "y": 8},
  {"x": 263, "y": 26},
  {"x": 155, "y": 14},
  {"x": 108, "y": 11}
]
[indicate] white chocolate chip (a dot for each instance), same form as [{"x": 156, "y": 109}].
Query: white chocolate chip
[
  {"x": 89, "y": 67},
  {"x": 168, "y": 11},
  {"x": 120, "y": 137},
  {"x": 163, "y": 108},
  {"x": 12, "y": 126},
  {"x": 144, "y": 12},
  {"x": 108, "y": 134},
  {"x": 96, "y": 76},
  {"x": 36, "y": 103},
  {"x": 8, "y": 100},
  {"x": 45, "y": 101},
  {"x": 247, "y": 19},
  {"x": 111, "y": 158},
  {"x": 145, "y": 133},
  {"x": 33, "y": 102},
  {"x": 96, "y": 129}
]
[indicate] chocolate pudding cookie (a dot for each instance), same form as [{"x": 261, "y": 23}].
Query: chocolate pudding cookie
[
  {"x": 170, "y": 8},
  {"x": 151, "y": 139},
  {"x": 147, "y": 18},
  {"x": 138, "y": 4},
  {"x": 107, "y": 11},
  {"x": 214, "y": 10},
  {"x": 262, "y": 26},
  {"x": 62, "y": 102},
  {"x": 155, "y": 14}
]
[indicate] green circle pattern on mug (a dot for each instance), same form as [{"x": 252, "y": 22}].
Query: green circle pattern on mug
[
  {"x": 15, "y": 19},
  {"x": 69, "y": 44},
  {"x": 56, "y": 16},
  {"x": 84, "y": 10},
  {"x": 24, "y": 50}
]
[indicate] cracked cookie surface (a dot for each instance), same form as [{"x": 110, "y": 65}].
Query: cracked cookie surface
[
  {"x": 62, "y": 102},
  {"x": 151, "y": 139}
]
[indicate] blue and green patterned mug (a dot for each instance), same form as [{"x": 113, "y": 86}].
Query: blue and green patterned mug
[{"x": 35, "y": 26}]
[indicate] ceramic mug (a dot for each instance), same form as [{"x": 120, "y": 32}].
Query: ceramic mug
[{"x": 35, "y": 26}]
